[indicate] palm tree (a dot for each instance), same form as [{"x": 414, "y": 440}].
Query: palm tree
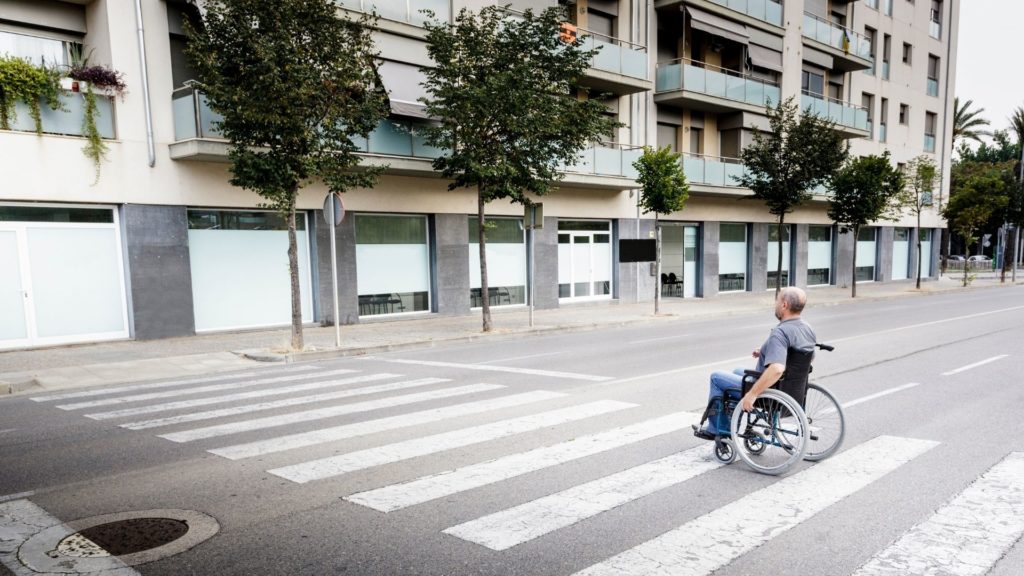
[
  {"x": 967, "y": 123},
  {"x": 1017, "y": 123}
]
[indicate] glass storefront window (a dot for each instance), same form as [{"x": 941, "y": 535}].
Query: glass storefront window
[
  {"x": 866, "y": 255},
  {"x": 506, "y": 262},
  {"x": 773, "y": 256},
  {"x": 392, "y": 263},
  {"x": 732, "y": 250},
  {"x": 819, "y": 255}
]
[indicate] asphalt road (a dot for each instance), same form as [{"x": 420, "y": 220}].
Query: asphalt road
[{"x": 539, "y": 486}]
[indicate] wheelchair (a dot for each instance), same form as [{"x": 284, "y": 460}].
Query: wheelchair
[{"x": 791, "y": 421}]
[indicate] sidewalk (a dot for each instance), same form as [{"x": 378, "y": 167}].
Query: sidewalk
[{"x": 40, "y": 370}]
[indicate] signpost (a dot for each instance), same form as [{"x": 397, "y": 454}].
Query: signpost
[{"x": 334, "y": 213}]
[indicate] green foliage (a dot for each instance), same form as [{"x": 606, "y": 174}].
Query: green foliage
[
  {"x": 968, "y": 123},
  {"x": 661, "y": 177},
  {"x": 1017, "y": 123},
  {"x": 864, "y": 190},
  {"x": 505, "y": 92},
  {"x": 784, "y": 165},
  {"x": 980, "y": 191},
  {"x": 95, "y": 148},
  {"x": 920, "y": 180},
  {"x": 294, "y": 82},
  {"x": 1000, "y": 150},
  {"x": 31, "y": 84}
]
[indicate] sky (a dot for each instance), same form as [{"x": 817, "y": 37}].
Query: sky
[{"x": 990, "y": 58}]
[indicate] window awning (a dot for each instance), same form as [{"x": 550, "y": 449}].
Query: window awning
[
  {"x": 765, "y": 57},
  {"x": 818, "y": 58},
  {"x": 718, "y": 26},
  {"x": 402, "y": 82}
]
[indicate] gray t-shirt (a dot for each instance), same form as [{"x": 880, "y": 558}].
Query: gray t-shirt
[{"x": 792, "y": 333}]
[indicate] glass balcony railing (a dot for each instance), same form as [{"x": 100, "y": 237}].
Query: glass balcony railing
[
  {"x": 616, "y": 55},
  {"x": 407, "y": 11},
  {"x": 933, "y": 87},
  {"x": 607, "y": 159},
  {"x": 836, "y": 36},
  {"x": 842, "y": 113},
  {"x": 193, "y": 117},
  {"x": 706, "y": 79},
  {"x": 769, "y": 11},
  {"x": 929, "y": 143},
  {"x": 712, "y": 170},
  {"x": 70, "y": 120}
]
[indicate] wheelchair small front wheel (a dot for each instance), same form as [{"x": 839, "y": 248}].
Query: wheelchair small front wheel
[
  {"x": 772, "y": 437},
  {"x": 725, "y": 451}
]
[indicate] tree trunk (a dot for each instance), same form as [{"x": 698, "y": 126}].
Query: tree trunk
[
  {"x": 778, "y": 271},
  {"x": 485, "y": 297},
  {"x": 658, "y": 286},
  {"x": 853, "y": 284},
  {"x": 293, "y": 273},
  {"x": 967, "y": 250}
]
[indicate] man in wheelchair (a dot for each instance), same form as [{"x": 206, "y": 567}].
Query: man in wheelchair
[{"x": 791, "y": 334}]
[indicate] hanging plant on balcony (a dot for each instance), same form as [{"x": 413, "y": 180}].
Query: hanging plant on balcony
[
  {"x": 31, "y": 84},
  {"x": 106, "y": 80}
]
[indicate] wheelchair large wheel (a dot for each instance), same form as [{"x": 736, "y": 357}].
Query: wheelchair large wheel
[
  {"x": 772, "y": 437},
  {"x": 825, "y": 421}
]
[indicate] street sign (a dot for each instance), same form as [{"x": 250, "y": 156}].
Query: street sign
[{"x": 339, "y": 208}]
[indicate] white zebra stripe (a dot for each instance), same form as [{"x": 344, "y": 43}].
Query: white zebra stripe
[
  {"x": 397, "y": 496},
  {"x": 321, "y": 413},
  {"x": 196, "y": 402},
  {"x": 324, "y": 435},
  {"x": 166, "y": 384},
  {"x": 965, "y": 537},
  {"x": 199, "y": 390},
  {"x": 487, "y": 368},
  {"x": 705, "y": 544},
  {"x": 362, "y": 459},
  {"x": 508, "y": 528},
  {"x": 249, "y": 408}
]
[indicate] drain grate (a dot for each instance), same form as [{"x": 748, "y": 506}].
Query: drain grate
[{"x": 135, "y": 534}]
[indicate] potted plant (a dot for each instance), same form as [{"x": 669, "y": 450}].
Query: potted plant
[{"x": 31, "y": 84}]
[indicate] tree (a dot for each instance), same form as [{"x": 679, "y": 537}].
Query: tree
[
  {"x": 978, "y": 194},
  {"x": 785, "y": 164},
  {"x": 664, "y": 191},
  {"x": 294, "y": 83},
  {"x": 1017, "y": 123},
  {"x": 917, "y": 196},
  {"x": 968, "y": 123},
  {"x": 866, "y": 189},
  {"x": 505, "y": 92}
]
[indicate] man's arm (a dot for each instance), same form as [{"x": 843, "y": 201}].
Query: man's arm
[{"x": 770, "y": 376}]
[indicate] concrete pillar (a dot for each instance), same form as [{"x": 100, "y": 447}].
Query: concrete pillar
[
  {"x": 627, "y": 273},
  {"x": 758, "y": 264},
  {"x": 546, "y": 267},
  {"x": 348, "y": 289},
  {"x": 886, "y": 237},
  {"x": 844, "y": 259},
  {"x": 800, "y": 244},
  {"x": 709, "y": 244},
  {"x": 160, "y": 272},
  {"x": 452, "y": 250},
  {"x": 936, "y": 251}
]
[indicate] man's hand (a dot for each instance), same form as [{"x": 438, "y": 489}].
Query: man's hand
[
  {"x": 748, "y": 402},
  {"x": 756, "y": 353}
]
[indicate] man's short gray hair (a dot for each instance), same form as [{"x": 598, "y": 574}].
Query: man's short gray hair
[{"x": 794, "y": 298}]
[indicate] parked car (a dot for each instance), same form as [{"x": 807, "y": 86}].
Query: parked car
[
  {"x": 955, "y": 258},
  {"x": 979, "y": 258}
]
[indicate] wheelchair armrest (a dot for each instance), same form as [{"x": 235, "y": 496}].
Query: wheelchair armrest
[{"x": 749, "y": 378}]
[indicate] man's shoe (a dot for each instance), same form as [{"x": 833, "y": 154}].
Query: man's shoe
[{"x": 702, "y": 433}]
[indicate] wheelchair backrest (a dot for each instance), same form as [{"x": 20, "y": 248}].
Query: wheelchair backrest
[{"x": 798, "y": 368}]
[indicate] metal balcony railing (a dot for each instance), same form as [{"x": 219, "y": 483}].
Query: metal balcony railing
[
  {"x": 769, "y": 11},
  {"x": 70, "y": 120},
  {"x": 684, "y": 74},
  {"x": 842, "y": 113},
  {"x": 615, "y": 55},
  {"x": 836, "y": 36},
  {"x": 713, "y": 170},
  {"x": 407, "y": 11}
]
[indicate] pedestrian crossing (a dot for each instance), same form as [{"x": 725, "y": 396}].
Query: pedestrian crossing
[{"x": 282, "y": 410}]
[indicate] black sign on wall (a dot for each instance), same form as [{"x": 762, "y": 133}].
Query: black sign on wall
[{"x": 638, "y": 250}]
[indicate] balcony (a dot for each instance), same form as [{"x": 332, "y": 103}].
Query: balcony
[
  {"x": 765, "y": 10},
  {"x": 850, "y": 50},
  {"x": 712, "y": 171},
  {"x": 699, "y": 86},
  {"x": 70, "y": 120},
  {"x": 405, "y": 11},
  {"x": 604, "y": 161},
  {"x": 850, "y": 119},
  {"x": 619, "y": 67},
  {"x": 758, "y": 13}
]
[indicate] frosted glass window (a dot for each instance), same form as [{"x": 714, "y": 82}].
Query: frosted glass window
[
  {"x": 581, "y": 265},
  {"x": 240, "y": 278},
  {"x": 926, "y": 253},
  {"x": 564, "y": 265},
  {"x": 866, "y": 255},
  {"x": 819, "y": 255},
  {"x": 33, "y": 48},
  {"x": 506, "y": 262},
  {"x": 76, "y": 281},
  {"x": 732, "y": 254},
  {"x": 12, "y": 300},
  {"x": 601, "y": 264},
  {"x": 900, "y": 253},
  {"x": 773, "y": 255},
  {"x": 392, "y": 264}
]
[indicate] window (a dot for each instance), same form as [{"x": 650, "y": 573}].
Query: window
[
  {"x": 819, "y": 255},
  {"x": 393, "y": 261},
  {"x": 696, "y": 141},
  {"x": 904, "y": 114},
  {"x": 933, "y": 75},
  {"x": 506, "y": 262},
  {"x": 36, "y": 49},
  {"x": 935, "y": 15},
  {"x": 908, "y": 53},
  {"x": 732, "y": 263},
  {"x": 887, "y": 7},
  {"x": 866, "y": 254},
  {"x": 774, "y": 256},
  {"x": 812, "y": 83},
  {"x": 883, "y": 120},
  {"x": 886, "y": 49},
  {"x": 872, "y": 3},
  {"x": 870, "y": 34},
  {"x": 930, "y": 119},
  {"x": 868, "y": 101},
  {"x": 668, "y": 135}
]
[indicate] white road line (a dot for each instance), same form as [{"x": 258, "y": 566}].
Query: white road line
[
  {"x": 249, "y": 408},
  {"x": 200, "y": 390},
  {"x": 196, "y": 402},
  {"x": 705, "y": 544},
  {"x": 153, "y": 385},
  {"x": 508, "y": 528},
  {"x": 325, "y": 412},
  {"x": 646, "y": 340},
  {"x": 530, "y": 371},
  {"x": 975, "y": 365},
  {"x": 397, "y": 496},
  {"x": 363, "y": 459},
  {"x": 729, "y": 361},
  {"x": 17, "y": 496},
  {"x": 527, "y": 357},
  {"x": 871, "y": 397},
  {"x": 314, "y": 437},
  {"x": 967, "y": 536},
  {"x": 925, "y": 324}
]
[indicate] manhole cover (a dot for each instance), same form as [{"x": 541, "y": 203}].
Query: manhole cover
[{"x": 128, "y": 536}]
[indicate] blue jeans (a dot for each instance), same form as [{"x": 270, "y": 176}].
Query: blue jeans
[{"x": 720, "y": 382}]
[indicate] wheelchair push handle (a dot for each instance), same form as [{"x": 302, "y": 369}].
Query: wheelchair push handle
[{"x": 825, "y": 347}]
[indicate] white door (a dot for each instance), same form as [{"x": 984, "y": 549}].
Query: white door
[
  {"x": 584, "y": 265},
  {"x": 689, "y": 262},
  {"x": 900, "y": 253},
  {"x": 13, "y": 292}
]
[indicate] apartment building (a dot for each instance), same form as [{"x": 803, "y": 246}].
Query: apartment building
[{"x": 161, "y": 245}]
